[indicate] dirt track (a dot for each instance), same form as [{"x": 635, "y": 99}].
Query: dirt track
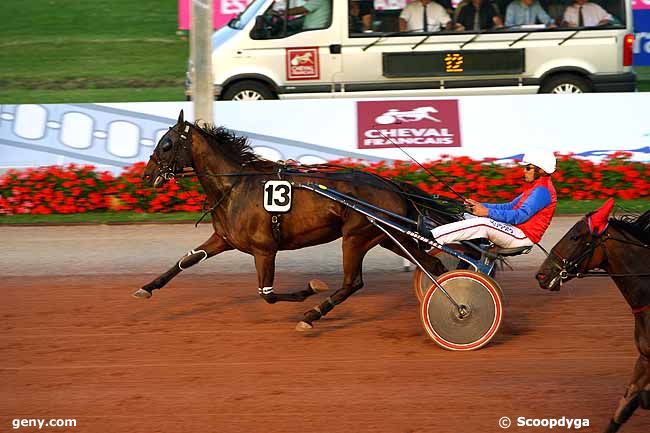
[{"x": 205, "y": 354}]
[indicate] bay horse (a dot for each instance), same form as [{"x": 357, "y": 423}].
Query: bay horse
[
  {"x": 232, "y": 177},
  {"x": 621, "y": 248}
]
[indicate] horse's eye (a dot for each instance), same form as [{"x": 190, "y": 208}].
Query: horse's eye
[{"x": 166, "y": 145}]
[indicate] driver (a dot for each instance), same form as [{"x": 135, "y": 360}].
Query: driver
[
  {"x": 317, "y": 13},
  {"x": 520, "y": 223}
]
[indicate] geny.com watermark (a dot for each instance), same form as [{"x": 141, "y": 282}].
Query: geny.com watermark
[
  {"x": 40, "y": 423},
  {"x": 551, "y": 423}
]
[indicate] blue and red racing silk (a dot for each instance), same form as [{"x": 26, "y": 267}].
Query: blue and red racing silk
[{"x": 531, "y": 211}]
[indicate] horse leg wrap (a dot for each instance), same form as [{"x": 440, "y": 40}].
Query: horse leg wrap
[
  {"x": 325, "y": 307},
  {"x": 267, "y": 294},
  {"x": 192, "y": 258},
  {"x": 319, "y": 311}
]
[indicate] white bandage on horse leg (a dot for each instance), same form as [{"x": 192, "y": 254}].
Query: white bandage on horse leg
[
  {"x": 191, "y": 253},
  {"x": 265, "y": 290}
]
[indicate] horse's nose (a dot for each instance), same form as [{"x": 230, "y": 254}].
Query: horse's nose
[{"x": 541, "y": 280}]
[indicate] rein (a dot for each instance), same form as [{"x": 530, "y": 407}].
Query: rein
[
  {"x": 170, "y": 171},
  {"x": 180, "y": 165}
]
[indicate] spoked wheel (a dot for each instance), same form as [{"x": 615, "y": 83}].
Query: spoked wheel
[
  {"x": 479, "y": 297},
  {"x": 421, "y": 282}
]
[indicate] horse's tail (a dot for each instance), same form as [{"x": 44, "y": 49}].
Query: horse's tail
[{"x": 440, "y": 210}]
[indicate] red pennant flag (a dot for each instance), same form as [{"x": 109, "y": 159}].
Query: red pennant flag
[{"x": 598, "y": 220}]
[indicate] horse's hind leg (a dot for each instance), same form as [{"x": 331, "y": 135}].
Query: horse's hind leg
[
  {"x": 633, "y": 396},
  {"x": 213, "y": 246},
  {"x": 265, "y": 266},
  {"x": 354, "y": 250}
]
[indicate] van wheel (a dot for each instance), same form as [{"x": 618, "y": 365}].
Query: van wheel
[
  {"x": 566, "y": 83},
  {"x": 248, "y": 91}
]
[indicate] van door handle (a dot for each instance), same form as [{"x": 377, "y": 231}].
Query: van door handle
[{"x": 335, "y": 49}]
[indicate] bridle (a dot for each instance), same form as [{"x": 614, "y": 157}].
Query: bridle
[
  {"x": 569, "y": 268},
  {"x": 181, "y": 154}
]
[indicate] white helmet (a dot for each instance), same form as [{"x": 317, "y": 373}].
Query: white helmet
[{"x": 544, "y": 159}]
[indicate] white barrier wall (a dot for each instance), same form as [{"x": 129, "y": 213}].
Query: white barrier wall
[{"x": 116, "y": 135}]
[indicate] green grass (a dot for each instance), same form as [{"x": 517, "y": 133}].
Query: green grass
[
  {"x": 565, "y": 207},
  {"x": 643, "y": 78},
  {"x": 159, "y": 94},
  {"x": 572, "y": 207},
  {"x": 65, "y": 50},
  {"x": 102, "y": 218}
]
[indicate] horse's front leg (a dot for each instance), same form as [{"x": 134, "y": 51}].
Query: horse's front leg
[
  {"x": 634, "y": 395},
  {"x": 213, "y": 246},
  {"x": 265, "y": 266}
]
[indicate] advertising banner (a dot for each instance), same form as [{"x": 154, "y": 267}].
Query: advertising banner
[
  {"x": 112, "y": 136},
  {"x": 640, "y": 4},
  {"x": 642, "y": 32},
  {"x": 222, "y": 12},
  {"x": 420, "y": 123}
]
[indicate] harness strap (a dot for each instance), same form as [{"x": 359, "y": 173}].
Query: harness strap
[
  {"x": 275, "y": 228},
  {"x": 640, "y": 310}
]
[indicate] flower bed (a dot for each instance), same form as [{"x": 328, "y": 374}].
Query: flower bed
[{"x": 76, "y": 189}]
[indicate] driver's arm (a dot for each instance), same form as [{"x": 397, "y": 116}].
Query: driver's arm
[{"x": 299, "y": 10}]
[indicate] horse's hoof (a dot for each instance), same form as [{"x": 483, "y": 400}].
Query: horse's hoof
[
  {"x": 142, "y": 294},
  {"x": 318, "y": 286},
  {"x": 303, "y": 326}
]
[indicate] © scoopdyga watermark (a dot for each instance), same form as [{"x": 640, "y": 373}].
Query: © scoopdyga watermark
[
  {"x": 550, "y": 423},
  {"x": 40, "y": 423}
]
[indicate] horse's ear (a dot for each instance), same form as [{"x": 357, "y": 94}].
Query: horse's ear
[
  {"x": 180, "y": 117},
  {"x": 598, "y": 220}
]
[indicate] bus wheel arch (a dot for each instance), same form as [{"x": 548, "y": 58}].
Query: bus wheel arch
[
  {"x": 248, "y": 89},
  {"x": 566, "y": 82}
]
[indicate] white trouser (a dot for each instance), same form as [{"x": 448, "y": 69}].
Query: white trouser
[{"x": 501, "y": 234}]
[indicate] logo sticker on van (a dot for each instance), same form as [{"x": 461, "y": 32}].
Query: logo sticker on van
[
  {"x": 302, "y": 64},
  {"x": 383, "y": 124}
]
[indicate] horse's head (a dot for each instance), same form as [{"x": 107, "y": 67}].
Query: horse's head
[
  {"x": 172, "y": 154},
  {"x": 578, "y": 251}
]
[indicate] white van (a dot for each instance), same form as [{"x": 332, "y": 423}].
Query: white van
[{"x": 270, "y": 51}]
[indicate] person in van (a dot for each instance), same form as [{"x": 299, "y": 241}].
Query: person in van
[
  {"x": 317, "y": 13},
  {"x": 520, "y": 223},
  {"x": 476, "y": 15},
  {"x": 527, "y": 12},
  {"x": 360, "y": 18},
  {"x": 424, "y": 16},
  {"x": 582, "y": 13}
]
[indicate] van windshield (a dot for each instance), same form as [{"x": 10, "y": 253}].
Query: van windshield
[{"x": 245, "y": 16}]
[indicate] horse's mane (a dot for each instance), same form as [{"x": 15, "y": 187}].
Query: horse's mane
[
  {"x": 636, "y": 225},
  {"x": 235, "y": 147}
]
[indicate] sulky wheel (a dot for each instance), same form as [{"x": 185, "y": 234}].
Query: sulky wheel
[
  {"x": 421, "y": 282},
  {"x": 480, "y": 298}
]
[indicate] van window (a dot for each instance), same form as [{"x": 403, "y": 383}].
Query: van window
[
  {"x": 486, "y": 16},
  {"x": 288, "y": 17},
  {"x": 360, "y": 17},
  {"x": 244, "y": 17}
]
